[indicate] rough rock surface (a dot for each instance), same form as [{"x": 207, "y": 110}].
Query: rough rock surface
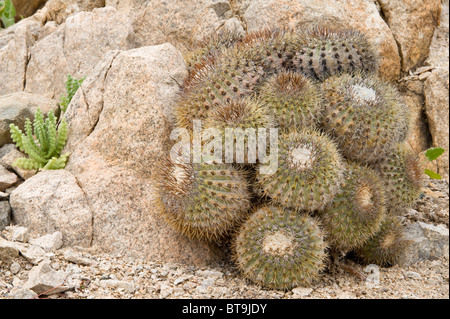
[
  {"x": 178, "y": 22},
  {"x": 15, "y": 44},
  {"x": 412, "y": 23},
  {"x": 52, "y": 201},
  {"x": 5, "y": 214},
  {"x": 74, "y": 48}
]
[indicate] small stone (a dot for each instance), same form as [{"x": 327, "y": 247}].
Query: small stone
[
  {"x": 49, "y": 242},
  {"x": 76, "y": 258},
  {"x": 43, "y": 279},
  {"x": 301, "y": 292},
  {"x": 18, "y": 233},
  {"x": 8, "y": 250},
  {"x": 14, "y": 268},
  {"x": 209, "y": 273},
  {"x": 22, "y": 293},
  {"x": 118, "y": 284},
  {"x": 7, "y": 179},
  {"x": 413, "y": 275},
  {"x": 33, "y": 254}
]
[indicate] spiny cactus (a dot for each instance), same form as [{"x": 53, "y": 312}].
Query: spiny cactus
[
  {"x": 403, "y": 177},
  {"x": 295, "y": 100},
  {"x": 356, "y": 212},
  {"x": 387, "y": 246},
  {"x": 203, "y": 201},
  {"x": 280, "y": 248},
  {"x": 242, "y": 118},
  {"x": 323, "y": 52},
  {"x": 234, "y": 73},
  {"x": 45, "y": 152},
  {"x": 309, "y": 172},
  {"x": 365, "y": 115},
  {"x": 211, "y": 46}
]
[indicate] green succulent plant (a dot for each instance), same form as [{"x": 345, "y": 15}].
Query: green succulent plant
[
  {"x": 7, "y": 13},
  {"x": 43, "y": 141},
  {"x": 72, "y": 85}
]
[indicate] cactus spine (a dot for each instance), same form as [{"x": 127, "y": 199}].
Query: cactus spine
[
  {"x": 386, "y": 247},
  {"x": 205, "y": 200},
  {"x": 402, "y": 176},
  {"x": 356, "y": 212},
  {"x": 295, "y": 100},
  {"x": 279, "y": 248},
  {"x": 309, "y": 172},
  {"x": 365, "y": 115}
]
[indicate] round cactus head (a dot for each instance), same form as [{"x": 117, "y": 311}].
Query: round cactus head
[
  {"x": 323, "y": 52},
  {"x": 279, "y": 248},
  {"x": 237, "y": 124},
  {"x": 295, "y": 100},
  {"x": 386, "y": 247},
  {"x": 356, "y": 212},
  {"x": 203, "y": 200},
  {"x": 309, "y": 172},
  {"x": 365, "y": 115},
  {"x": 403, "y": 177}
]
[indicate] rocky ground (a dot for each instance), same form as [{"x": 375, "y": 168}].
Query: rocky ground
[{"x": 85, "y": 274}]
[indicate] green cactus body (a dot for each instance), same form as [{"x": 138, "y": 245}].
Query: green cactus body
[
  {"x": 240, "y": 119},
  {"x": 234, "y": 73},
  {"x": 210, "y": 47},
  {"x": 365, "y": 115},
  {"x": 356, "y": 212},
  {"x": 387, "y": 246},
  {"x": 309, "y": 172},
  {"x": 279, "y": 248},
  {"x": 203, "y": 201},
  {"x": 323, "y": 53},
  {"x": 296, "y": 101},
  {"x": 403, "y": 177}
]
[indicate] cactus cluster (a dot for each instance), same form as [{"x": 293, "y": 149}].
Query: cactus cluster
[{"x": 342, "y": 165}]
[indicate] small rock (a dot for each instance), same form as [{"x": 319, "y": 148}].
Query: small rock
[
  {"x": 22, "y": 293},
  {"x": 209, "y": 273},
  {"x": 49, "y": 242},
  {"x": 14, "y": 268},
  {"x": 42, "y": 279},
  {"x": 8, "y": 160},
  {"x": 301, "y": 292},
  {"x": 18, "y": 233},
  {"x": 8, "y": 250},
  {"x": 413, "y": 275},
  {"x": 4, "y": 196},
  {"x": 165, "y": 291},
  {"x": 33, "y": 254},
  {"x": 76, "y": 258},
  {"x": 7, "y": 179}
]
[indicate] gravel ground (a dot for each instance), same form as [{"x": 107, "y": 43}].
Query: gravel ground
[{"x": 94, "y": 275}]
